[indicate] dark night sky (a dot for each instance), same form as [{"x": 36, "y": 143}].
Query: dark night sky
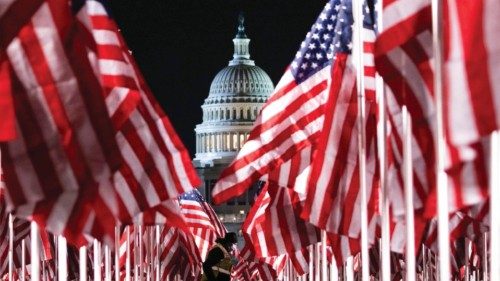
[{"x": 180, "y": 45}]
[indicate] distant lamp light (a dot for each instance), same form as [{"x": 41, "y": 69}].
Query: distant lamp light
[
  {"x": 221, "y": 218},
  {"x": 242, "y": 212}
]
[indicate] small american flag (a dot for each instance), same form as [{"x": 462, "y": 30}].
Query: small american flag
[{"x": 201, "y": 220}]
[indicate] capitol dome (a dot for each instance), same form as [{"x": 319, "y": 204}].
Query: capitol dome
[{"x": 236, "y": 96}]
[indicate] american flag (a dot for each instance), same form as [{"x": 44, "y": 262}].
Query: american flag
[
  {"x": 147, "y": 140},
  {"x": 471, "y": 54},
  {"x": 202, "y": 220},
  {"x": 178, "y": 255},
  {"x": 404, "y": 59},
  {"x": 273, "y": 225},
  {"x": 65, "y": 144},
  {"x": 265, "y": 269},
  {"x": 279, "y": 134},
  {"x": 333, "y": 197},
  {"x": 94, "y": 149}
]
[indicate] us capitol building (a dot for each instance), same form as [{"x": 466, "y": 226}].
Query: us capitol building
[{"x": 236, "y": 96}]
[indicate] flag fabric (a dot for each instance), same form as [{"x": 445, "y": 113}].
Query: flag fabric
[
  {"x": 8, "y": 125},
  {"x": 169, "y": 212},
  {"x": 403, "y": 57},
  {"x": 201, "y": 220},
  {"x": 98, "y": 142},
  {"x": 269, "y": 268},
  {"x": 65, "y": 147},
  {"x": 273, "y": 226},
  {"x": 471, "y": 63},
  {"x": 241, "y": 272},
  {"x": 147, "y": 140},
  {"x": 178, "y": 255},
  {"x": 333, "y": 198},
  {"x": 14, "y": 14},
  {"x": 21, "y": 229}
]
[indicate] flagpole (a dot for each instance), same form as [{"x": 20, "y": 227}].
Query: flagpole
[
  {"x": 117, "y": 253},
  {"x": 11, "y": 247},
  {"x": 83, "y": 263},
  {"x": 334, "y": 270},
  {"x": 140, "y": 238},
  {"x": 485, "y": 255},
  {"x": 494, "y": 208},
  {"x": 136, "y": 253},
  {"x": 62, "y": 261},
  {"x": 107, "y": 263},
  {"x": 358, "y": 55},
  {"x": 442, "y": 187},
  {"x": 157, "y": 230},
  {"x": 408, "y": 187},
  {"x": 324, "y": 268},
  {"x": 35, "y": 256},
  {"x": 23, "y": 260},
  {"x": 385, "y": 241},
  {"x": 147, "y": 253},
  {"x": 349, "y": 269},
  {"x": 127, "y": 259},
  {"x": 97, "y": 261}
]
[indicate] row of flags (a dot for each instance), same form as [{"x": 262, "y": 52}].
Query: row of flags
[
  {"x": 92, "y": 147},
  {"x": 86, "y": 147},
  {"x": 308, "y": 154}
]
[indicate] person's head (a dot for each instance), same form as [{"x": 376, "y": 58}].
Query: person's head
[{"x": 230, "y": 239}]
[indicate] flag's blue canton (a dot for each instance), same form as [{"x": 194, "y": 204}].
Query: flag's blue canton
[
  {"x": 369, "y": 17},
  {"x": 331, "y": 34},
  {"x": 192, "y": 195}
]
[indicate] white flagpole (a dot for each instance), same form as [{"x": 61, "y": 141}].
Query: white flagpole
[
  {"x": 136, "y": 254},
  {"x": 408, "y": 187},
  {"x": 349, "y": 269},
  {"x": 495, "y": 207},
  {"x": 35, "y": 254},
  {"x": 83, "y": 263},
  {"x": 11, "y": 247},
  {"x": 324, "y": 263},
  {"x": 117, "y": 253},
  {"x": 442, "y": 186},
  {"x": 62, "y": 261},
  {"x": 97, "y": 261},
  {"x": 385, "y": 241},
  {"x": 23, "y": 260},
  {"x": 334, "y": 271},
  {"x": 158, "y": 246},
  {"x": 148, "y": 252},
  {"x": 107, "y": 263},
  {"x": 485, "y": 255},
  {"x": 141, "y": 256},
  {"x": 127, "y": 259},
  {"x": 358, "y": 54}
]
